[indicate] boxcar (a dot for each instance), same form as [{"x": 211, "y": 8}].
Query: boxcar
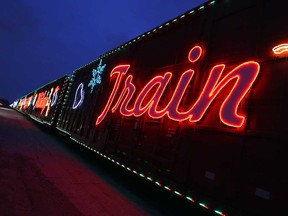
[
  {"x": 197, "y": 106},
  {"x": 45, "y": 103}
]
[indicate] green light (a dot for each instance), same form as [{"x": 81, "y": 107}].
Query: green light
[
  {"x": 191, "y": 12},
  {"x": 150, "y": 179},
  {"x": 176, "y": 192},
  {"x": 73, "y": 139},
  {"x": 203, "y": 205},
  {"x": 63, "y": 131},
  {"x": 212, "y": 3},
  {"x": 167, "y": 188},
  {"x": 157, "y": 183},
  {"x": 202, "y": 7},
  {"x": 190, "y": 199},
  {"x": 218, "y": 212}
]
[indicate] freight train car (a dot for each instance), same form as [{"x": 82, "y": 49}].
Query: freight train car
[
  {"x": 196, "y": 106},
  {"x": 45, "y": 103}
]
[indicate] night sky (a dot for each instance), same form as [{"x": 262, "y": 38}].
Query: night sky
[{"x": 44, "y": 40}]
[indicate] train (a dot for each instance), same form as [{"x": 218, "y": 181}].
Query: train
[{"x": 196, "y": 106}]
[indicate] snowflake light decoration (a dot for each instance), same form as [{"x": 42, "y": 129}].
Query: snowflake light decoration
[{"x": 96, "y": 76}]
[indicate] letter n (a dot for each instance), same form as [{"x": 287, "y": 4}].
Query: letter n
[{"x": 243, "y": 77}]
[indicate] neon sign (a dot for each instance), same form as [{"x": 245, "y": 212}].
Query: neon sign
[
  {"x": 41, "y": 101},
  {"x": 79, "y": 97},
  {"x": 242, "y": 77},
  {"x": 55, "y": 96},
  {"x": 44, "y": 100},
  {"x": 281, "y": 48},
  {"x": 96, "y": 76},
  {"x": 27, "y": 102}
]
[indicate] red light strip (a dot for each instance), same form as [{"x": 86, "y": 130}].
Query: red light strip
[{"x": 279, "y": 49}]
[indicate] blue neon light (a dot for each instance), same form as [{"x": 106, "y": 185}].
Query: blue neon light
[
  {"x": 54, "y": 99},
  {"x": 79, "y": 96},
  {"x": 96, "y": 76}
]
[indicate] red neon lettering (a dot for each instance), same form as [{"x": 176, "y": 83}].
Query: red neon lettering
[
  {"x": 120, "y": 71},
  {"x": 243, "y": 76},
  {"x": 128, "y": 91},
  {"x": 194, "y": 54},
  {"x": 174, "y": 103},
  {"x": 281, "y": 48},
  {"x": 41, "y": 101},
  {"x": 44, "y": 101},
  {"x": 27, "y": 102},
  {"x": 151, "y": 105}
]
